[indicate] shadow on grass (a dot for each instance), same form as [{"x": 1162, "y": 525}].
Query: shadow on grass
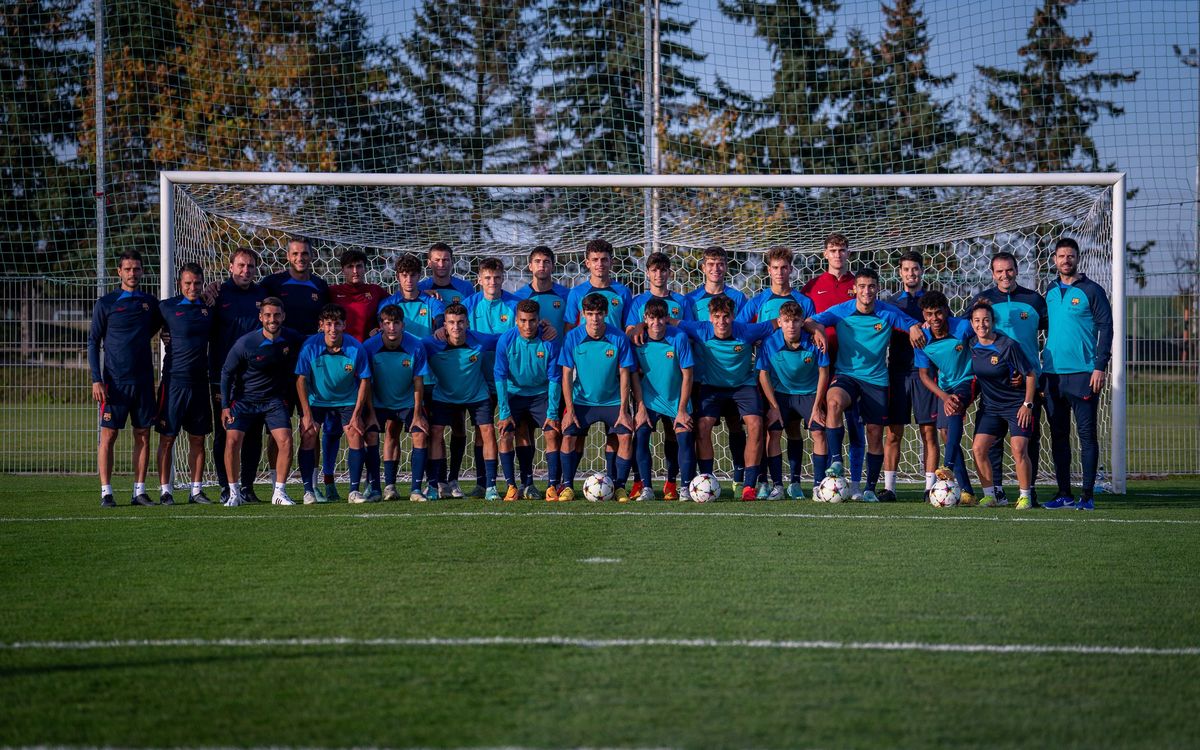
[{"x": 233, "y": 655}]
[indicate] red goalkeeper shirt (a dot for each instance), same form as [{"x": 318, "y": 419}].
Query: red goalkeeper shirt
[
  {"x": 828, "y": 290},
  {"x": 360, "y": 301}
]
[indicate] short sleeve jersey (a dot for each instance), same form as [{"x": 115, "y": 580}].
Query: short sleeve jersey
[
  {"x": 259, "y": 369},
  {"x": 765, "y": 306},
  {"x": 458, "y": 369},
  {"x": 1081, "y": 328},
  {"x": 190, "y": 326},
  {"x": 679, "y": 307},
  {"x": 235, "y": 313},
  {"x": 1019, "y": 314},
  {"x": 995, "y": 365},
  {"x": 362, "y": 305},
  {"x": 661, "y": 363},
  {"x": 456, "y": 291},
  {"x": 728, "y": 362},
  {"x": 302, "y": 300},
  {"x": 793, "y": 370},
  {"x": 900, "y": 352},
  {"x": 618, "y": 296},
  {"x": 597, "y": 363},
  {"x": 333, "y": 376},
  {"x": 949, "y": 355},
  {"x": 421, "y": 315},
  {"x": 527, "y": 367},
  {"x": 863, "y": 339},
  {"x": 495, "y": 316},
  {"x": 394, "y": 370},
  {"x": 701, "y": 299},
  {"x": 123, "y": 323},
  {"x": 552, "y": 304}
]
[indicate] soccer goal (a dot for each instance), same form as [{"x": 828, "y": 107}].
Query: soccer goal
[{"x": 957, "y": 222}]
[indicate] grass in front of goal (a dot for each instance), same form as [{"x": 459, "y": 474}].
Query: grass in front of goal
[{"x": 597, "y": 575}]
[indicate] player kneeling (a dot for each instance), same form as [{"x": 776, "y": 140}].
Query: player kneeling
[
  {"x": 794, "y": 376},
  {"x": 398, "y": 371},
  {"x": 333, "y": 380},
  {"x": 663, "y": 392}
]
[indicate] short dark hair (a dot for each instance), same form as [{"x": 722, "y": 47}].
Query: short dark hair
[
  {"x": 456, "y": 308},
  {"x": 658, "y": 260},
  {"x": 350, "y": 257},
  {"x": 933, "y": 300},
  {"x": 248, "y": 252},
  {"x": 271, "y": 302},
  {"x": 867, "y": 273},
  {"x": 129, "y": 255},
  {"x": 595, "y": 302},
  {"x": 332, "y": 311},
  {"x": 1066, "y": 242},
  {"x": 982, "y": 305},
  {"x": 1002, "y": 255},
  {"x": 912, "y": 256},
  {"x": 598, "y": 246},
  {"x": 529, "y": 306},
  {"x": 542, "y": 250},
  {"x": 716, "y": 251},
  {"x": 392, "y": 312},
  {"x": 408, "y": 263},
  {"x": 439, "y": 246},
  {"x": 779, "y": 252},
  {"x": 491, "y": 264},
  {"x": 301, "y": 239},
  {"x": 192, "y": 268},
  {"x": 837, "y": 239},
  {"x": 655, "y": 308},
  {"x": 720, "y": 303},
  {"x": 791, "y": 309}
]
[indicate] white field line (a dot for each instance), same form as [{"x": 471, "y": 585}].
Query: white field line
[
  {"x": 605, "y": 643},
  {"x": 601, "y": 560},
  {"x": 278, "y": 747}
]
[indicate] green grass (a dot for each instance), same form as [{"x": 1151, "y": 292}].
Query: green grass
[{"x": 726, "y": 571}]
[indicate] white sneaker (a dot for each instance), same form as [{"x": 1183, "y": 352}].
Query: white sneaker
[
  {"x": 444, "y": 490},
  {"x": 280, "y": 497},
  {"x": 647, "y": 493},
  {"x": 685, "y": 494},
  {"x": 856, "y": 492},
  {"x": 776, "y": 493},
  {"x": 235, "y": 499},
  {"x": 356, "y": 497},
  {"x": 310, "y": 498},
  {"x": 390, "y": 493},
  {"x": 417, "y": 497},
  {"x": 453, "y": 490}
]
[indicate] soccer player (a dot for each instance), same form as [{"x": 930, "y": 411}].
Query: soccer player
[
  {"x": 908, "y": 398},
  {"x": 663, "y": 391},
  {"x": 598, "y": 257},
  {"x": 728, "y": 378},
  {"x": 182, "y": 401},
  {"x": 461, "y": 385},
  {"x": 863, "y": 328},
  {"x": 944, "y": 366},
  {"x": 550, "y": 296},
  {"x": 528, "y": 396},
  {"x": 361, "y": 301},
  {"x": 1078, "y": 349},
  {"x": 303, "y": 294},
  {"x": 1020, "y": 313},
  {"x": 1003, "y": 409},
  {"x": 235, "y": 313},
  {"x": 834, "y": 287},
  {"x": 398, "y": 372},
  {"x": 123, "y": 323},
  {"x": 422, "y": 313},
  {"x": 794, "y": 377},
  {"x": 442, "y": 285},
  {"x": 597, "y": 365},
  {"x": 257, "y": 384},
  {"x": 333, "y": 379}
]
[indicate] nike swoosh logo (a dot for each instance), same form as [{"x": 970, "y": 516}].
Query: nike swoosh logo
[{"x": 822, "y": 291}]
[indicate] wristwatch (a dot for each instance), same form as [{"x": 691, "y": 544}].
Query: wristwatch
[{"x": 1027, "y": 404}]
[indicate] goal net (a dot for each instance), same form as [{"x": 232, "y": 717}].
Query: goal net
[{"x": 957, "y": 223}]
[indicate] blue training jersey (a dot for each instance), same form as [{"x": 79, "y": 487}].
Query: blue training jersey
[
  {"x": 302, "y": 300},
  {"x": 597, "y": 363},
  {"x": 618, "y": 296},
  {"x": 995, "y": 365},
  {"x": 1019, "y": 314},
  {"x": 333, "y": 377},
  {"x": 393, "y": 371},
  {"x": 863, "y": 338},
  {"x": 1081, "y": 327},
  {"x": 527, "y": 367},
  {"x": 456, "y": 291},
  {"x": 948, "y": 354},
  {"x": 235, "y": 313},
  {"x": 495, "y": 316},
  {"x": 700, "y": 300},
  {"x": 190, "y": 327},
  {"x": 793, "y": 371},
  {"x": 458, "y": 370},
  {"x": 123, "y": 323},
  {"x": 661, "y": 363},
  {"x": 765, "y": 306},
  {"x": 422, "y": 316},
  {"x": 729, "y": 362},
  {"x": 259, "y": 369},
  {"x": 552, "y": 304},
  {"x": 679, "y": 307}
]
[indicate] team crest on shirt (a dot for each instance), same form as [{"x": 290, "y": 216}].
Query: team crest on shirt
[
  {"x": 474, "y": 358},
  {"x": 958, "y": 348},
  {"x": 422, "y": 311},
  {"x": 1024, "y": 315},
  {"x": 615, "y": 302},
  {"x": 1074, "y": 300},
  {"x": 557, "y": 304},
  {"x": 670, "y": 355},
  {"x": 204, "y": 311},
  {"x": 406, "y": 363},
  {"x": 287, "y": 349},
  {"x": 315, "y": 297},
  {"x": 348, "y": 368},
  {"x": 738, "y": 347},
  {"x": 503, "y": 318},
  {"x": 145, "y": 306},
  {"x": 541, "y": 354},
  {"x": 995, "y": 360},
  {"x": 609, "y": 353},
  {"x": 879, "y": 326},
  {"x": 808, "y": 359},
  {"x": 675, "y": 312}
]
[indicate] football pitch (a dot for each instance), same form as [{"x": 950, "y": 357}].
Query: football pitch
[{"x": 465, "y": 624}]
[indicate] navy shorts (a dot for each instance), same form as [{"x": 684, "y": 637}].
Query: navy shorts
[
  {"x": 715, "y": 402},
  {"x": 795, "y": 407},
  {"x": 331, "y": 418},
  {"x": 999, "y": 424},
  {"x": 132, "y": 402},
  {"x": 910, "y": 401},
  {"x": 656, "y": 418},
  {"x": 590, "y": 415},
  {"x": 871, "y": 400},
  {"x": 383, "y": 416},
  {"x": 444, "y": 414},
  {"x": 183, "y": 407},
  {"x": 250, "y": 415},
  {"x": 532, "y": 409},
  {"x": 966, "y": 393}
]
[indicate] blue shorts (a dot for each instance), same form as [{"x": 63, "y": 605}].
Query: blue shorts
[
  {"x": 910, "y": 401},
  {"x": 330, "y": 417},
  {"x": 716, "y": 402},
  {"x": 590, "y": 415},
  {"x": 183, "y": 407},
  {"x": 999, "y": 424},
  {"x": 135, "y": 402},
  {"x": 668, "y": 422},
  {"x": 250, "y": 415},
  {"x": 383, "y": 416},
  {"x": 796, "y": 407},
  {"x": 532, "y": 409},
  {"x": 966, "y": 393},
  {"x": 444, "y": 414},
  {"x": 871, "y": 400}
]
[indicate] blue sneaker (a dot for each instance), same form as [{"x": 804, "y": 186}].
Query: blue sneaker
[
  {"x": 1085, "y": 503},
  {"x": 432, "y": 493},
  {"x": 835, "y": 470},
  {"x": 1059, "y": 502},
  {"x": 491, "y": 493}
]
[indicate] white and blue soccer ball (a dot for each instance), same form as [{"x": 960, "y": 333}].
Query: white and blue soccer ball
[
  {"x": 833, "y": 490},
  {"x": 704, "y": 488},
  {"x": 598, "y": 488},
  {"x": 943, "y": 493}
]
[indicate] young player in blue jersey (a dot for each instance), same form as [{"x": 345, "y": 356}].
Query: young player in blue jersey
[
  {"x": 460, "y": 385},
  {"x": 794, "y": 377},
  {"x": 662, "y": 390},
  {"x": 598, "y": 257},
  {"x": 944, "y": 366},
  {"x": 442, "y": 284},
  {"x": 1077, "y": 353},
  {"x": 550, "y": 296},
  {"x": 123, "y": 324},
  {"x": 864, "y": 331},
  {"x": 398, "y": 373},
  {"x": 597, "y": 365},
  {"x": 183, "y": 403},
  {"x": 908, "y": 398},
  {"x": 257, "y": 388},
  {"x": 1003, "y": 409},
  {"x": 333, "y": 381},
  {"x": 728, "y": 379},
  {"x": 235, "y": 313},
  {"x": 528, "y": 397},
  {"x": 422, "y": 313}
]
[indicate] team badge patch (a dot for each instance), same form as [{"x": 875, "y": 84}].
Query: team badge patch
[
  {"x": 738, "y": 347},
  {"x": 204, "y": 311},
  {"x": 474, "y": 358},
  {"x": 995, "y": 360},
  {"x": 958, "y": 348},
  {"x": 1024, "y": 315},
  {"x": 557, "y": 304},
  {"x": 315, "y": 297},
  {"x": 541, "y": 354},
  {"x": 406, "y": 363},
  {"x": 1074, "y": 300},
  {"x": 808, "y": 359},
  {"x": 108, "y": 416},
  {"x": 348, "y": 368},
  {"x": 287, "y": 349},
  {"x": 503, "y": 318},
  {"x": 146, "y": 306},
  {"x": 422, "y": 311},
  {"x": 609, "y": 353},
  {"x": 615, "y": 302},
  {"x": 879, "y": 326},
  {"x": 670, "y": 355}
]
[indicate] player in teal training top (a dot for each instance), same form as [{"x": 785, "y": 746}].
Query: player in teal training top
[
  {"x": 442, "y": 284},
  {"x": 597, "y": 365},
  {"x": 944, "y": 366},
  {"x": 550, "y": 296},
  {"x": 333, "y": 377},
  {"x": 599, "y": 259},
  {"x": 663, "y": 392},
  {"x": 422, "y": 313},
  {"x": 864, "y": 331},
  {"x": 794, "y": 377},
  {"x": 398, "y": 372}
]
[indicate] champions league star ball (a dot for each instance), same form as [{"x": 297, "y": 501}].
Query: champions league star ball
[
  {"x": 943, "y": 493},
  {"x": 598, "y": 488},
  {"x": 833, "y": 490},
  {"x": 704, "y": 488}
]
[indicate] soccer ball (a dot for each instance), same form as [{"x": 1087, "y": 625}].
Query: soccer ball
[
  {"x": 598, "y": 488},
  {"x": 943, "y": 493},
  {"x": 833, "y": 490},
  {"x": 704, "y": 488}
]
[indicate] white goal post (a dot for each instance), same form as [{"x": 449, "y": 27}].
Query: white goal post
[{"x": 1112, "y": 182}]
